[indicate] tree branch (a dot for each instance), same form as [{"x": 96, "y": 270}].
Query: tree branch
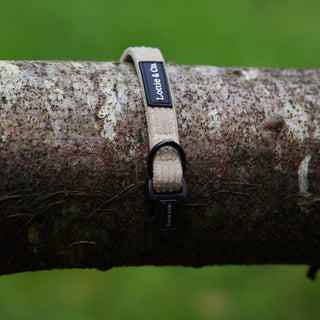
[{"x": 73, "y": 149}]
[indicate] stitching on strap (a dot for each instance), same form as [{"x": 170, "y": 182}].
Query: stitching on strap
[{"x": 162, "y": 125}]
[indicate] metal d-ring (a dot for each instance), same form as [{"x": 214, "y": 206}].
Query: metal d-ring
[
  {"x": 159, "y": 146},
  {"x": 165, "y": 215}
]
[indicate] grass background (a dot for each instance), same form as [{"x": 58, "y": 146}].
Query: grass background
[{"x": 274, "y": 33}]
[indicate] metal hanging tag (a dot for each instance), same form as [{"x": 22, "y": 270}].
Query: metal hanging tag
[{"x": 165, "y": 215}]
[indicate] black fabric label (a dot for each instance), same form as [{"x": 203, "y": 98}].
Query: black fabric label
[{"x": 155, "y": 84}]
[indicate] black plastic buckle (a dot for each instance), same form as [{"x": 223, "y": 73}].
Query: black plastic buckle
[{"x": 166, "y": 206}]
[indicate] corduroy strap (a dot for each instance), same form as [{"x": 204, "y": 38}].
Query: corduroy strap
[{"x": 161, "y": 115}]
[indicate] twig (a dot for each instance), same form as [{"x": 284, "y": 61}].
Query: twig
[
  {"x": 136, "y": 164},
  {"x": 238, "y": 183},
  {"x": 116, "y": 197},
  {"x": 18, "y": 215},
  {"x": 17, "y": 196},
  {"x": 228, "y": 191},
  {"x": 81, "y": 242}
]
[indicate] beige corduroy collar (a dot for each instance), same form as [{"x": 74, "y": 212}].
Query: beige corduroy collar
[{"x": 160, "y": 114}]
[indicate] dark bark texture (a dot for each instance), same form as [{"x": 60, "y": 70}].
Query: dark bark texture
[{"x": 73, "y": 151}]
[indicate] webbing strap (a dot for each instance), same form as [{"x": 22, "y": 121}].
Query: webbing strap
[{"x": 160, "y": 114}]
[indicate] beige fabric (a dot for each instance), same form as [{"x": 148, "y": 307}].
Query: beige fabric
[{"x": 162, "y": 125}]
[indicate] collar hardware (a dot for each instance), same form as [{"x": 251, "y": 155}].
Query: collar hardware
[{"x": 165, "y": 215}]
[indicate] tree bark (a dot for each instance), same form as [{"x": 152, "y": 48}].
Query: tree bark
[{"x": 73, "y": 150}]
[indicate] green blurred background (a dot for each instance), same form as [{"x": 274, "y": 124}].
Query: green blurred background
[{"x": 274, "y": 33}]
